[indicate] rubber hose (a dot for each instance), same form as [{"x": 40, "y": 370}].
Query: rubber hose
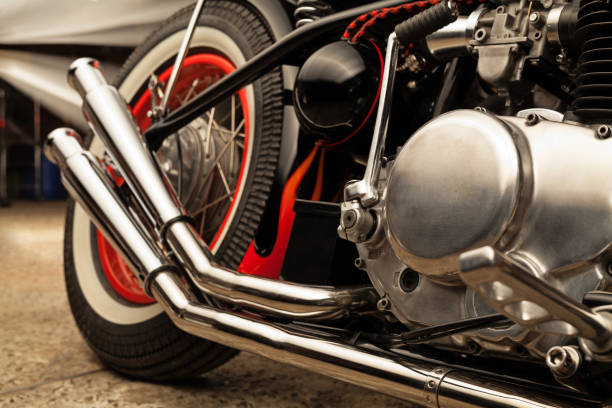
[{"x": 426, "y": 22}]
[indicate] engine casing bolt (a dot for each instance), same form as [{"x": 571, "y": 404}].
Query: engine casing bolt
[
  {"x": 532, "y": 119},
  {"x": 564, "y": 361},
  {"x": 480, "y": 34},
  {"x": 359, "y": 263},
  {"x": 603, "y": 132},
  {"x": 534, "y": 17},
  {"x": 560, "y": 58},
  {"x": 383, "y": 304}
]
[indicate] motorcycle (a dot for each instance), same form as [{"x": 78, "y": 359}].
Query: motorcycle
[{"x": 407, "y": 196}]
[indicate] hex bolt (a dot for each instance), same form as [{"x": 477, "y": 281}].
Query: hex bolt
[
  {"x": 359, "y": 263},
  {"x": 564, "y": 361},
  {"x": 560, "y": 58},
  {"x": 383, "y": 304},
  {"x": 480, "y": 34},
  {"x": 534, "y": 17},
  {"x": 532, "y": 119},
  {"x": 603, "y": 132}
]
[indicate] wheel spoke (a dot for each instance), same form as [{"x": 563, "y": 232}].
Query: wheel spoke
[
  {"x": 232, "y": 154},
  {"x": 233, "y": 124},
  {"x": 179, "y": 151},
  {"x": 227, "y": 133},
  {"x": 203, "y": 210},
  {"x": 237, "y": 130},
  {"x": 192, "y": 88},
  {"x": 223, "y": 178},
  {"x": 213, "y": 202},
  {"x": 208, "y": 134},
  {"x": 233, "y": 113},
  {"x": 216, "y": 162},
  {"x": 223, "y": 129}
]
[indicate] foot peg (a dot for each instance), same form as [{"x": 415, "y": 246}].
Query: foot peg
[{"x": 522, "y": 297}]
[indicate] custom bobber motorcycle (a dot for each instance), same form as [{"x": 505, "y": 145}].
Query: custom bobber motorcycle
[{"x": 414, "y": 197}]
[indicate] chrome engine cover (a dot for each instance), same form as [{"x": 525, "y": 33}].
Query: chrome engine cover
[
  {"x": 450, "y": 191},
  {"x": 538, "y": 190}
]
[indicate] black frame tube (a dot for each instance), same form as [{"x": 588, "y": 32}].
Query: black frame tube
[{"x": 273, "y": 56}]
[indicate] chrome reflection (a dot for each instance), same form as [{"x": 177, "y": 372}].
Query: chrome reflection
[{"x": 113, "y": 124}]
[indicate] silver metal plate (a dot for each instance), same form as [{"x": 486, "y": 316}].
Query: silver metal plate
[{"x": 454, "y": 187}]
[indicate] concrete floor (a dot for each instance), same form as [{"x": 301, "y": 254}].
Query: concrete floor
[{"x": 44, "y": 362}]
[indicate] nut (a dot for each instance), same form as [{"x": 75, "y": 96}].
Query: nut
[{"x": 603, "y": 132}]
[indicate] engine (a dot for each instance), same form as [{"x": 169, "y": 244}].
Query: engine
[
  {"x": 500, "y": 205},
  {"x": 530, "y": 186},
  {"x": 503, "y": 207}
]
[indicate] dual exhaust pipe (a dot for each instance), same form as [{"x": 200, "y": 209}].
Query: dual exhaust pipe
[{"x": 155, "y": 223}]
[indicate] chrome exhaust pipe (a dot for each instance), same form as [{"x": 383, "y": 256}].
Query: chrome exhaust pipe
[
  {"x": 409, "y": 378},
  {"x": 113, "y": 123},
  {"x": 90, "y": 187}
]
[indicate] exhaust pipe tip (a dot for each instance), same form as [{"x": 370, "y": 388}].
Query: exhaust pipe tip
[
  {"x": 61, "y": 144},
  {"x": 86, "y": 74}
]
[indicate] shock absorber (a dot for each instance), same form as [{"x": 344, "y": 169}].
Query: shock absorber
[
  {"x": 593, "y": 93},
  {"x": 308, "y": 11}
]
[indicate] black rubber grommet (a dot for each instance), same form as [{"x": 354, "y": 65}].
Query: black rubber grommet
[
  {"x": 180, "y": 218},
  {"x": 153, "y": 274}
]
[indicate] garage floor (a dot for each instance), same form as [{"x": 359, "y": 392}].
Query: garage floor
[{"x": 44, "y": 362}]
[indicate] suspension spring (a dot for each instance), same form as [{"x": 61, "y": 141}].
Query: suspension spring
[{"x": 308, "y": 11}]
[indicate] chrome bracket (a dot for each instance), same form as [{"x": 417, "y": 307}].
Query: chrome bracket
[
  {"x": 365, "y": 190},
  {"x": 519, "y": 295}
]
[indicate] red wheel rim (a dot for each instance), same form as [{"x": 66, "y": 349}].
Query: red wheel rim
[{"x": 210, "y": 67}]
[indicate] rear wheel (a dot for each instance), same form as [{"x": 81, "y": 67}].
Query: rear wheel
[{"x": 221, "y": 166}]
